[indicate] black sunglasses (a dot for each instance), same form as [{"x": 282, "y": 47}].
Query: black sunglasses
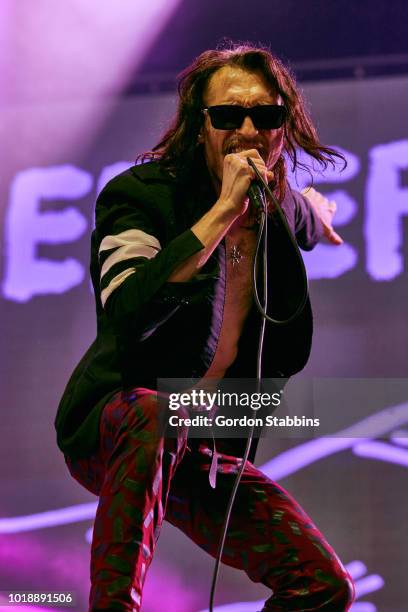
[{"x": 231, "y": 117}]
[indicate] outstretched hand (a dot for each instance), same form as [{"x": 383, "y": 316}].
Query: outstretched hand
[{"x": 325, "y": 210}]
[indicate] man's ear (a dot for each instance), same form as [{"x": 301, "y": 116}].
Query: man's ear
[{"x": 200, "y": 137}]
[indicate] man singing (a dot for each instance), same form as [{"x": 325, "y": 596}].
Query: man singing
[{"x": 171, "y": 263}]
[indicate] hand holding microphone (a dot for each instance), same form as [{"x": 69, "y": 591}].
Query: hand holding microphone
[{"x": 239, "y": 180}]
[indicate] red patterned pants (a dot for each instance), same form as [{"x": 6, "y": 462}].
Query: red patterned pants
[{"x": 142, "y": 477}]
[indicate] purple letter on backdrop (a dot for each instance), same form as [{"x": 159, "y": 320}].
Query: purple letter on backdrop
[
  {"x": 26, "y": 275},
  {"x": 387, "y": 202}
]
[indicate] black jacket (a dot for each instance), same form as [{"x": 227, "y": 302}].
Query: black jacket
[{"x": 149, "y": 328}]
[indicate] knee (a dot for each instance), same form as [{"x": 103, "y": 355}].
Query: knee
[
  {"x": 134, "y": 417},
  {"x": 347, "y": 592},
  {"x": 343, "y": 596},
  {"x": 143, "y": 409},
  {"x": 338, "y": 589}
]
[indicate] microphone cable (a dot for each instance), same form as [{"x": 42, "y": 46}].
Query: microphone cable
[
  {"x": 292, "y": 239},
  {"x": 259, "y": 198}
]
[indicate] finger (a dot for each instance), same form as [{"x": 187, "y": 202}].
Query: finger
[
  {"x": 252, "y": 153},
  {"x": 252, "y": 157},
  {"x": 248, "y": 169},
  {"x": 333, "y": 236},
  {"x": 240, "y": 162}
]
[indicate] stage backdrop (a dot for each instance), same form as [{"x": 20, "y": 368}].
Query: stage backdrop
[{"x": 355, "y": 491}]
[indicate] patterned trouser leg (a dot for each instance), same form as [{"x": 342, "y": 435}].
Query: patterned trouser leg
[
  {"x": 140, "y": 477},
  {"x": 131, "y": 473},
  {"x": 270, "y": 537}
]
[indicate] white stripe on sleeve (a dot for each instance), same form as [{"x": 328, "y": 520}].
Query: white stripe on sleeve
[
  {"x": 115, "y": 283},
  {"x": 128, "y": 244}
]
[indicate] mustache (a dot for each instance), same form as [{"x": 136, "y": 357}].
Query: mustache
[{"x": 236, "y": 144}]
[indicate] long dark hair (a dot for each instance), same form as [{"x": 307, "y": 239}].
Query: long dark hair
[{"x": 178, "y": 150}]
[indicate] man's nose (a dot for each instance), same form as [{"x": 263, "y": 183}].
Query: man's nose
[{"x": 247, "y": 128}]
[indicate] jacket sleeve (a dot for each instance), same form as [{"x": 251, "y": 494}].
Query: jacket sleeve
[
  {"x": 133, "y": 264},
  {"x": 308, "y": 227}
]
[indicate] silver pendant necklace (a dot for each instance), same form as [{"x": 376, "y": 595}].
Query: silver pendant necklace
[{"x": 235, "y": 255}]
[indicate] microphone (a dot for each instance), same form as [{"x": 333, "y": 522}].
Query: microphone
[{"x": 256, "y": 195}]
